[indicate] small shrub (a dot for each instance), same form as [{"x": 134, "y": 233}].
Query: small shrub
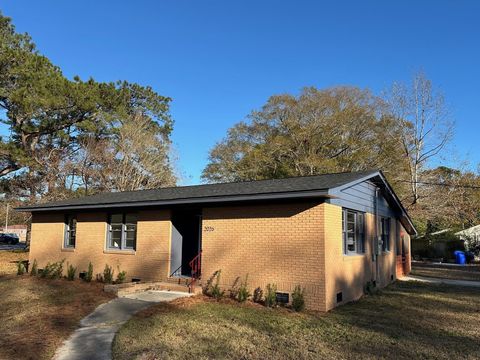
[
  {"x": 46, "y": 271},
  {"x": 207, "y": 289},
  {"x": 234, "y": 289},
  {"x": 34, "y": 269},
  {"x": 108, "y": 274},
  {"x": 99, "y": 278},
  {"x": 258, "y": 295},
  {"x": 243, "y": 293},
  {"x": 21, "y": 268},
  {"x": 121, "y": 277},
  {"x": 298, "y": 299},
  {"x": 57, "y": 269},
  {"x": 214, "y": 290},
  {"x": 217, "y": 293},
  {"x": 53, "y": 270},
  {"x": 71, "y": 270},
  {"x": 89, "y": 274},
  {"x": 270, "y": 295},
  {"x": 370, "y": 289}
]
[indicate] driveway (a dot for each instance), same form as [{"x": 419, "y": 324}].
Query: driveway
[
  {"x": 441, "y": 281},
  {"x": 19, "y": 246},
  {"x": 93, "y": 340}
]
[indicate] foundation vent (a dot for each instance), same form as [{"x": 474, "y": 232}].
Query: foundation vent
[
  {"x": 339, "y": 297},
  {"x": 282, "y": 298}
]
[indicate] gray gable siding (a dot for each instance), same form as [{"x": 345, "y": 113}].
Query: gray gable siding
[{"x": 361, "y": 197}]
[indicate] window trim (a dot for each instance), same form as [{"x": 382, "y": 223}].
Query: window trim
[
  {"x": 67, "y": 232},
  {"x": 359, "y": 232},
  {"x": 123, "y": 239}
]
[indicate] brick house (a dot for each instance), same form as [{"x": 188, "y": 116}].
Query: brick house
[{"x": 332, "y": 234}]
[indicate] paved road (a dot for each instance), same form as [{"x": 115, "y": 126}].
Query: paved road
[
  {"x": 93, "y": 340},
  {"x": 441, "y": 281},
  {"x": 19, "y": 246}
]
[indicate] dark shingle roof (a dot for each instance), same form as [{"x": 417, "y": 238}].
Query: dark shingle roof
[{"x": 319, "y": 183}]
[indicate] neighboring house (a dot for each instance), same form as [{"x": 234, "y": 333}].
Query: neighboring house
[
  {"x": 332, "y": 234},
  {"x": 472, "y": 233},
  {"x": 20, "y": 230}
]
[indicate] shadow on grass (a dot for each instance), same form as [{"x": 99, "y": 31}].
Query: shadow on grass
[
  {"x": 415, "y": 320},
  {"x": 406, "y": 320}
]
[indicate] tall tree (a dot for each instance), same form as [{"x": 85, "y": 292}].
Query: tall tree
[
  {"x": 49, "y": 115},
  {"x": 135, "y": 156},
  {"x": 320, "y": 131},
  {"x": 451, "y": 198},
  {"x": 424, "y": 125}
]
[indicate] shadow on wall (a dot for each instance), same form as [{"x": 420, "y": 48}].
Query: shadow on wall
[
  {"x": 347, "y": 288},
  {"x": 99, "y": 215}
]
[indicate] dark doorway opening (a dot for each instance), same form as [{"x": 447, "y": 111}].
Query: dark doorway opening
[{"x": 186, "y": 240}]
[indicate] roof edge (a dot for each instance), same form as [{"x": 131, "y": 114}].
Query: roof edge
[{"x": 211, "y": 199}]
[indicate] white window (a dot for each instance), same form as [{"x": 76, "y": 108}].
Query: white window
[
  {"x": 353, "y": 229},
  {"x": 122, "y": 232},
  {"x": 70, "y": 234},
  {"x": 385, "y": 233}
]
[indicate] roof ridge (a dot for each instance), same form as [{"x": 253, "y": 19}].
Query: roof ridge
[
  {"x": 238, "y": 182},
  {"x": 266, "y": 186}
]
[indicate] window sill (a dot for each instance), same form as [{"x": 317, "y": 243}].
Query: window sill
[
  {"x": 64, "y": 249},
  {"x": 119, "y": 252},
  {"x": 353, "y": 257}
]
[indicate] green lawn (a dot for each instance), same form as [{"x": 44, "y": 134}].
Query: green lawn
[{"x": 407, "y": 320}]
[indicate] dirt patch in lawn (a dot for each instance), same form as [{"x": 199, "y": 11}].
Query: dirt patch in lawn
[
  {"x": 38, "y": 314},
  {"x": 408, "y": 320}
]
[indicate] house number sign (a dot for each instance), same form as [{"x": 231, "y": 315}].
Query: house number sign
[{"x": 208, "y": 228}]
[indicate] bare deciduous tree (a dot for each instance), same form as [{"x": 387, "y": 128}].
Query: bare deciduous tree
[
  {"x": 423, "y": 125},
  {"x": 135, "y": 157}
]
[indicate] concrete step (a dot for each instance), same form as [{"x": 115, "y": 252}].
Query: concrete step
[{"x": 130, "y": 288}]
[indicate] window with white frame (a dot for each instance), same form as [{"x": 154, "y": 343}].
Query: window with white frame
[
  {"x": 385, "y": 233},
  {"x": 70, "y": 234},
  {"x": 122, "y": 232},
  {"x": 353, "y": 230}
]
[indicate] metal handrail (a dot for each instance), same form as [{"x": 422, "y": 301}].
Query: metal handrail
[
  {"x": 196, "y": 266},
  {"x": 176, "y": 271}
]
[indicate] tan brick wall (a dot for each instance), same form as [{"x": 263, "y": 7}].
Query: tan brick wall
[
  {"x": 286, "y": 244},
  {"x": 278, "y": 243},
  {"x": 149, "y": 262},
  {"x": 349, "y": 274}
]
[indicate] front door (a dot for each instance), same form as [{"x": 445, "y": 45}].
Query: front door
[
  {"x": 176, "y": 252},
  {"x": 185, "y": 242}
]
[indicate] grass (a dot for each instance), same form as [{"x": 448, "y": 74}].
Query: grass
[
  {"x": 9, "y": 260},
  {"x": 454, "y": 273},
  {"x": 38, "y": 314},
  {"x": 407, "y": 320}
]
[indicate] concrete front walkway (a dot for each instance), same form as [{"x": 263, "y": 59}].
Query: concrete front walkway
[
  {"x": 441, "y": 281},
  {"x": 93, "y": 340}
]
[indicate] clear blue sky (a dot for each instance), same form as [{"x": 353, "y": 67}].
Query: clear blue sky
[{"x": 218, "y": 60}]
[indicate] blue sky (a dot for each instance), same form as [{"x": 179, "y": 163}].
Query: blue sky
[{"x": 219, "y": 60}]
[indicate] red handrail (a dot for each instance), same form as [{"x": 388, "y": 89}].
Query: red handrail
[{"x": 196, "y": 266}]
